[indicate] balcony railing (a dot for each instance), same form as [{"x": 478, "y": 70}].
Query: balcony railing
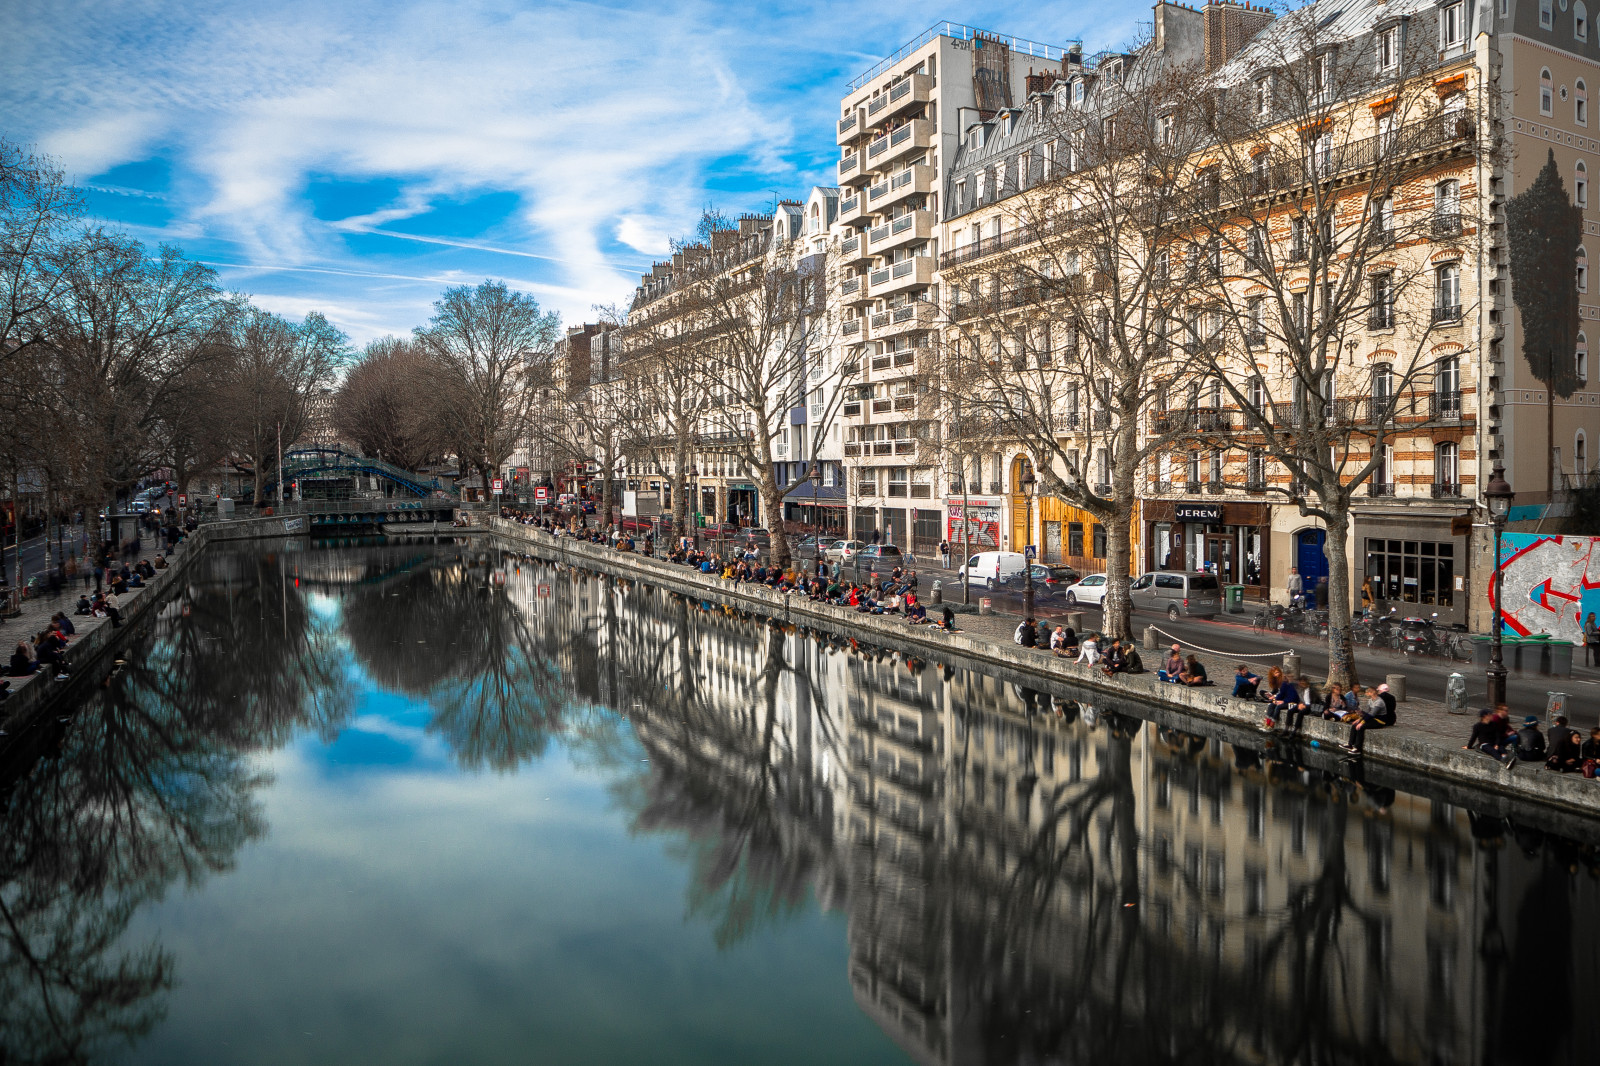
[
  {"x": 1192, "y": 486},
  {"x": 848, "y": 124},
  {"x": 1380, "y": 488},
  {"x": 851, "y": 410},
  {"x": 1447, "y": 313},
  {"x": 880, "y": 406},
  {"x": 1255, "y": 486},
  {"x": 1446, "y": 489},
  {"x": 850, "y": 285},
  {"x": 1381, "y": 318},
  {"x": 1447, "y": 224},
  {"x": 1445, "y": 406},
  {"x": 1255, "y": 339},
  {"x": 851, "y": 327},
  {"x": 1214, "y": 488}
]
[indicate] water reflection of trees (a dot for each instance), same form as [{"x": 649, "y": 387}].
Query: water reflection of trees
[{"x": 148, "y": 785}]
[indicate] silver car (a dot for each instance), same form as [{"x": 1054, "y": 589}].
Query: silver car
[
  {"x": 1177, "y": 593},
  {"x": 842, "y": 550}
]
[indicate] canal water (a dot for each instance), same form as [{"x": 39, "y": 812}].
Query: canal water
[{"x": 400, "y": 803}]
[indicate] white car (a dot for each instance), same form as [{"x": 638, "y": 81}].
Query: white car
[{"x": 1091, "y": 589}]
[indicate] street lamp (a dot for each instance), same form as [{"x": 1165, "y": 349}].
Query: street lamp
[
  {"x": 1028, "y": 482},
  {"x": 815, "y": 478},
  {"x": 1499, "y": 495}
]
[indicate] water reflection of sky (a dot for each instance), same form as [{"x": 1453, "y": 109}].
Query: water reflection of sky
[{"x": 402, "y": 910}]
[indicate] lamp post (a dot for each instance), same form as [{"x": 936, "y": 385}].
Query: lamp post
[
  {"x": 1499, "y": 496},
  {"x": 966, "y": 540},
  {"x": 1028, "y": 482},
  {"x": 815, "y": 477}
]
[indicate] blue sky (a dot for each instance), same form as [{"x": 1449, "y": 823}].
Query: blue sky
[{"x": 358, "y": 158}]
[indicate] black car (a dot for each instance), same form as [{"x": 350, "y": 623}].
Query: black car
[
  {"x": 876, "y": 557},
  {"x": 1048, "y": 581}
]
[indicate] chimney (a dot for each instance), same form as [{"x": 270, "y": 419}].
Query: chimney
[{"x": 1229, "y": 27}]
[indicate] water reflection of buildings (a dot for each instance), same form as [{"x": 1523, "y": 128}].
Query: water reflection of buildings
[{"x": 1033, "y": 880}]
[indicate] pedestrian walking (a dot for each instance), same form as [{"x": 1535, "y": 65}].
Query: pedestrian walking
[
  {"x": 1295, "y": 586},
  {"x": 944, "y": 554},
  {"x": 1591, "y": 641}
]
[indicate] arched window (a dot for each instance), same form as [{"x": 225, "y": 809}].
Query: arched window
[
  {"x": 1546, "y": 94},
  {"x": 1580, "y": 103},
  {"x": 1580, "y": 21},
  {"x": 1583, "y": 269},
  {"x": 1581, "y": 360},
  {"x": 1580, "y": 184},
  {"x": 1580, "y": 456}
]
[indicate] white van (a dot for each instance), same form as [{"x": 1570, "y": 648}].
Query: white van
[{"x": 990, "y": 568}]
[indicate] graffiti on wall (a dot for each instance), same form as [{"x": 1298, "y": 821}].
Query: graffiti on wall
[
  {"x": 979, "y": 523},
  {"x": 1551, "y": 584}
]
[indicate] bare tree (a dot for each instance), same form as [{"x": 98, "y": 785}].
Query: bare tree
[
  {"x": 763, "y": 327},
  {"x": 1329, "y": 212},
  {"x": 36, "y": 207},
  {"x": 277, "y": 367},
  {"x": 386, "y": 405},
  {"x": 1058, "y": 342},
  {"x": 488, "y": 344}
]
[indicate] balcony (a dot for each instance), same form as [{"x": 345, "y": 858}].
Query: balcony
[
  {"x": 853, "y": 292},
  {"x": 851, "y": 451},
  {"x": 851, "y": 172},
  {"x": 913, "y": 228},
  {"x": 919, "y": 180},
  {"x": 853, "y": 330},
  {"x": 915, "y": 136},
  {"x": 1192, "y": 486},
  {"x": 1196, "y": 419},
  {"x": 851, "y": 208},
  {"x": 1255, "y": 486},
  {"x": 909, "y": 318},
  {"x": 1446, "y": 224},
  {"x": 853, "y": 250},
  {"x": 1444, "y": 406},
  {"x": 882, "y": 447},
  {"x": 850, "y": 128},
  {"x": 1380, "y": 488},
  {"x": 1447, "y": 313},
  {"x": 905, "y": 276},
  {"x": 1443, "y": 490},
  {"x": 1213, "y": 488},
  {"x": 908, "y": 95},
  {"x": 1255, "y": 339},
  {"x": 1381, "y": 318},
  {"x": 851, "y": 410}
]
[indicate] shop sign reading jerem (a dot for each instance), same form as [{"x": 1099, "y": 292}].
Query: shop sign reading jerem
[{"x": 1209, "y": 513}]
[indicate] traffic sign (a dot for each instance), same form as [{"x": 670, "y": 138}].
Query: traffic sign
[
  {"x": 1032, "y": 551},
  {"x": 544, "y": 591},
  {"x": 498, "y": 486},
  {"x": 541, "y": 495},
  {"x": 183, "y": 499}
]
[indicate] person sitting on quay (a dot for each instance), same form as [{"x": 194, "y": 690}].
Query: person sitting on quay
[
  {"x": 948, "y": 622},
  {"x": 63, "y": 625},
  {"x": 1115, "y": 660},
  {"x": 1564, "y": 748},
  {"x": 1193, "y": 673},
  {"x": 1490, "y": 735},
  {"x": 1336, "y": 703},
  {"x": 1089, "y": 650},
  {"x": 916, "y": 614},
  {"x": 23, "y": 663},
  {"x": 1530, "y": 746},
  {"x": 47, "y": 649},
  {"x": 1245, "y": 684},
  {"x": 1376, "y": 713},
  {"x": 1068, "y": 647},
  {"x": 1026, "y": 635},
  {"x": 160, "y": 563},
  {"x": 1589, "y": 753},
  {"x": 1171, "y": 665},
  {"x": 1058, "y": 637},
  {"x": 84, "y": 606},
  {"x": 112, "y": 601},
  {"x": 1287, "y": 700}
]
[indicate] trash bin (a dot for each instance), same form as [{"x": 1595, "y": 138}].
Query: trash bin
[
  {"x": 1561, "y": 658},
  {"x": 1233, "y": 599}
]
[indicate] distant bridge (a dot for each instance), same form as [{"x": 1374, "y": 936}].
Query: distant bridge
[{"x": 312, "y": 462}]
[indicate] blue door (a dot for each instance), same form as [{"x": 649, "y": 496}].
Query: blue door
[{"x": 1309, "y": 556}]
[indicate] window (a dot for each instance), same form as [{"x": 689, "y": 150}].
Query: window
[
  {"x": 1164, "y": 129},
  {"x": 1580, "y": 21},
  {"x": 1581, "y": 362},
  {"x": 1382, "y": 302},
  {"x": 1447, "y": 208},
  {"x": 1258, "y": 393},
  {"x": 1077, "y": 89},
  {"x": 1447, "y": 293},
  {"x": 1256, "y": 468},
  {"x": 1319, "y": 154},
  {"x": 1383, "y": 220},
  {"x": 1448, "y": 377},
  {"x": 1388, "y": 47},
  {"x": 1382, "y": 391},
  {"x": 1256, "y": 322},
  {"x": 1452, "y": 25},
  {"x": 1546, "y": 16},
  {"x": 1580, "y": 454},
  {"x": 1580, "y": 185},
  {"x": 1194, "y": 468},
  {"x": 1583, "y": 270},
  {"x": 1075, "y": 539},
  {"x": 1322, "y": 76},
  {"x": 1297, "y": 238},
  {"x": 1446, "y": 468},
  {"x": 1263, "y": 97},
  {"x": 1216, "y": 467},
  {"x": 1580, "y": 103},
  {"x": 1546, "y": 96}
]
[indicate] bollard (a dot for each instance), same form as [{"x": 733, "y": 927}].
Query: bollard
[
  {"x": 1075, "y": 620},
  {"x": 1291, "y": 665},
  {"x": 1149, "y": 638},
  {"x": 1555, "y": 703},
  {"x": 1397, "y": 686},
  {"x": 937, "y": 595},
  {"x": 985, "y": 605},
  {"x": 1455, "y": 694}
]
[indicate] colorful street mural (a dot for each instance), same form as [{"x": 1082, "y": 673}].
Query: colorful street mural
[
  {"x": 982, "y": 525},
  {"x": 1551, "y": 583}
]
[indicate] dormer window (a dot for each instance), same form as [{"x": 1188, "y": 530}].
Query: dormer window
[
  {"x": 1388, "y": 50},
  {"x": 1322, "y": 76},
  {"x": 1164, "y": 129},
  {"x": 1077, "y": 93},
  {"x": 1452, "y": 24},
  {"x": 1263, "y": 96}
]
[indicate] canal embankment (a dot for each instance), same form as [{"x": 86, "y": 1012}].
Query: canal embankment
[{"x": 1424, "y": 746}]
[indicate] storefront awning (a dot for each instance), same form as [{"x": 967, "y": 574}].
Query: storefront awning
[{"x": 827, "y": 495}]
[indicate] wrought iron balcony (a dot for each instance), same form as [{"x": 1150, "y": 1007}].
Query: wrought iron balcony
[
  {"x": 1445, "y": 406},
  {"x": 1446, "y": 489},
  {"x": 1380, "y": 488},
  {"x": 1447, "y": 313}
]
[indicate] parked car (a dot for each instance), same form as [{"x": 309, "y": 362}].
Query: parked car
[
  {"x": 1177, "y": 593},
  {"x": 881, "y": 557},
  {"x": 751, "y": 537},
  {"x": 811, "y": 546},
  {"x": 842, "y": 550},
  {"x": 1048, "y": 580},
  {"x": 1091, "y": 589},
  {"x": 991, "y": 568}
]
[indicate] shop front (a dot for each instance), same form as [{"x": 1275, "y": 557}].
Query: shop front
[
  {"x": 1228, "y": 539},
  {"x": 1416, "y": 566},
  {"x": 1076, "y": 538},
  {"x": 972, "y": 524},
  {"x": 821, "y": 506},
  {"x": 744, "y": 505}
]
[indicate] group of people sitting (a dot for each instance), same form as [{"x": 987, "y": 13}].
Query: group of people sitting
[
  {"x": 1176, "y": 670},
  {"x": 1291, "y": 699},
  {"x": 46, "y": 652},
  {"x": 1561, "y": 750},
  {"x": 1120, "y": 657}
]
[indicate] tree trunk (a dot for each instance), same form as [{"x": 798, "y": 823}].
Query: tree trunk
[
  {"x": 260, "y": 475},
  {"x": 1341, "y": 648},
  {"x": 681, "y": 487},
  {"x": 1117, "y": 613},
  {"x": 772, "y": 504}
]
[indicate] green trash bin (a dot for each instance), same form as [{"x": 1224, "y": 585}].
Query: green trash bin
[{"x": 1233, "y": 599}]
